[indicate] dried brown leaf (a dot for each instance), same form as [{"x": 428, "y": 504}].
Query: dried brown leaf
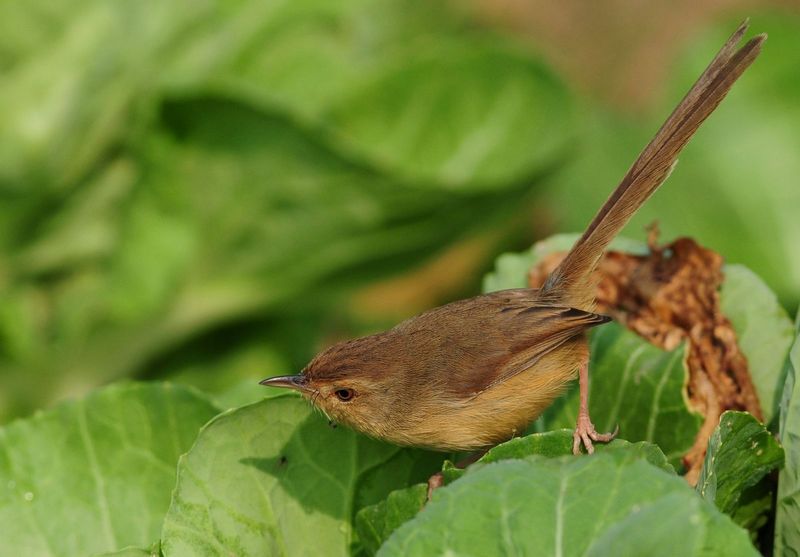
[{"x": 668, "y": 296}]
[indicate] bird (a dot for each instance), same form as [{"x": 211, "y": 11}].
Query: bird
[{"x": 473, "y": 373}]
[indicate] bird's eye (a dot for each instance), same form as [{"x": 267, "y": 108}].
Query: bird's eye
[{"x": 344, "y": 394}]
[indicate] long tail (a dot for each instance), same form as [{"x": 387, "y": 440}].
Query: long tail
[{"x": 571, "y": 283}]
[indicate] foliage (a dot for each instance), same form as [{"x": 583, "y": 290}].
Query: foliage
[
  {"x": 606, "y": 504},
  {"x": 274, "y": 478},
  {"x": 787, "y": 521},
  {"x": 95, "y": 475},
  {"x": 740, "y": 453},
  {"x": 377, "y": 522}
]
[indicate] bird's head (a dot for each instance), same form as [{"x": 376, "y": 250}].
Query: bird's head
[{"x": 353, "y": 383}]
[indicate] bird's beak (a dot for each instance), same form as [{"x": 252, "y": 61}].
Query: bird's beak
[{"x": 296, "y": 382}]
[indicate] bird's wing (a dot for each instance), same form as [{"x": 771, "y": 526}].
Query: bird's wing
[{"x": 488, "y": 339}]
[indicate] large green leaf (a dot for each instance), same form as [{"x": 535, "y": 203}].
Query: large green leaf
[
  {"x": 740, "y": 453},
  {"x": 605, "y": 504},
  {"x": 95, "y": 475},
  {"x": 764, "y": 332},
  {"x": 301, "y": 55},
  {"x": 787, "y": 517},
  {"x": 408, "y": 87},
  {"x": 376, "y": 523},
  {"x": 274, "y": 478},
  {"x": 67, "y": 97},
  {"x": 559, "y": 443},
  {"x": 458, "y": 114}
]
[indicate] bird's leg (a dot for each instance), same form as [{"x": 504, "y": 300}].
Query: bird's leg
[
  {"x": 434, "y": 482},
  {"x": 437, "y": 480},
  {"x": 584, "y": 429}
]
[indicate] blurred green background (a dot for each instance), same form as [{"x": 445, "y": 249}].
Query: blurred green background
[{"x": 210, "y": 191}]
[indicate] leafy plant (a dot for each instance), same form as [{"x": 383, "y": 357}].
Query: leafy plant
[
  {"x": 607, "y": 504},
  {"x": 274, "y": 478},
  {"x": 787, "y": 520},
  {"x": 740, "y": 453},
  {"x": 95, "y": 475}
]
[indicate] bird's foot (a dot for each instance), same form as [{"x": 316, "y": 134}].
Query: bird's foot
[
  {"x": 586, "y": 433},
  {"x": 434, "y": 482}
]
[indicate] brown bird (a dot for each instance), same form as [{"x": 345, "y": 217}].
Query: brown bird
[{"x": 470, "y": 374}]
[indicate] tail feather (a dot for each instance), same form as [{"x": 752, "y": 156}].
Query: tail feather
[{"x": 571, "y": 282}]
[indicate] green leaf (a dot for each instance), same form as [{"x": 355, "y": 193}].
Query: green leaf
[
  {"x": 376, "y": 523},
  {"x": 303, "y": 55},
  {"x": 273, "y": 477},
  {"x": 68, "y": 98},
  {"x": 461, "y": 114},
  {"x": 549, "y": 444},
  {"x": 559, "y": 443},
  {"x": 420, "y": 94},
  {"x": 740, "y": 453},
  {"x": 787, "y": 516},
  {"x": 605, "y": 504},
  {"x": 763, "y": 329},
  {"x": 95, "y": 475}
]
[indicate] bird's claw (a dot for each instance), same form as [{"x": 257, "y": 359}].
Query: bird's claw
[
  {"x": 434, "y": 482},
  {"x": 586, "y": 433}
]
